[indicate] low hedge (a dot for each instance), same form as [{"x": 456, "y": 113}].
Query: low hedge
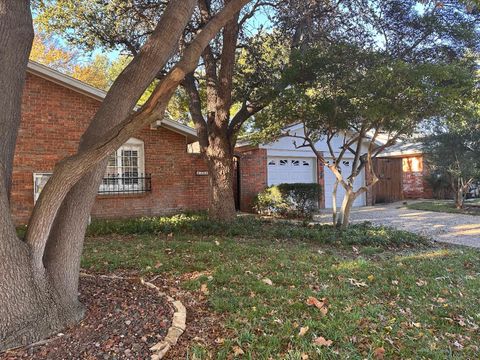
[{"x": 289, "y": 200}]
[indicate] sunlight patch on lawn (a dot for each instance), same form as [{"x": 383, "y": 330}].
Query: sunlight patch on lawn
[{"x": 426, "y": 255}]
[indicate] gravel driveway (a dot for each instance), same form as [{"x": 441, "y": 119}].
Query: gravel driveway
[{"x": 449, "y": 228}]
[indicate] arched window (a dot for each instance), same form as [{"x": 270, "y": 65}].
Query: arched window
[{"x": 126, "y": 168}]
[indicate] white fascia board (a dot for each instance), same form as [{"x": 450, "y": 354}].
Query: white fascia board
[
  {"x": 64, "y": 80},
  {"x": 177, "y": 127}
]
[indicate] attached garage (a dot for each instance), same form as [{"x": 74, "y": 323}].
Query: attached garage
[
  {"x": 282, "y": 161},
  {"x": 283, "y": 169}
]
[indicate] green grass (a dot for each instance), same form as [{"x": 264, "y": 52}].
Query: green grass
[
  {"x": 419, "y": 302},
  {"x": 448, "y": 206}
]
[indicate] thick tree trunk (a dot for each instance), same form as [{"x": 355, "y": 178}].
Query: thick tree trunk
[
  {"x": 29, "y": 307},
  {"x": 220, "y": 168},
  {"x": 16, "y": 37},
  {"x": 343, "y": 218}
]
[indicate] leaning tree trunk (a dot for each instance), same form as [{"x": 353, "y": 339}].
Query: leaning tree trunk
[
  {"x": 343, "y": 218},
  {"x": 220, "y": 169},
  {"x": 29, "y": 305}
]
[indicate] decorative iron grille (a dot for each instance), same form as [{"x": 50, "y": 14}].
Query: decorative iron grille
[{"x": 127, "y": 183}]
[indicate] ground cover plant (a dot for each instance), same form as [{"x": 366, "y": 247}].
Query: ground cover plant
[
  {"x": 280, "y": 290},
  {"x": 448, "y": 206}
]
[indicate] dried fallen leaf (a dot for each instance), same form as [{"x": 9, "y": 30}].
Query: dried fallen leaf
[
  {"x": 421, "y": 282},
  {"x": 321, "y": 305},
  {"x": 304, "y": 356},
  {"x": 237, "y": 351},
  {"x": 379, "y": 353},
  {"x": 204, "y": 289},
  {"x": 357, "y": 283},
  {"x": 303, "y": 331},
  {"x": 370, "y": 277},
  {"x": 321, "y": 341},
  {"x": 267, "y": 281}
]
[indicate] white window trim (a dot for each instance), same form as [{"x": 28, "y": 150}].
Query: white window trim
[
  {"x": 36, "y": 192},
  {"x": 131, "y": 143}
]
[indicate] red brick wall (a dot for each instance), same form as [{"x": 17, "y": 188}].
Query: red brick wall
[
  {"x": 253, "y": 175},
  {"x": 54, "y": 118},
  {"x": 175, "y": 185},
  {"x": 413, "y": 178}
]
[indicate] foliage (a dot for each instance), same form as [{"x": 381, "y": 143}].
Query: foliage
[
  {"x": 289, "y": 200},
  {"x": 250, "y": 226},
  {"x": 415, "y": 303},
  {"x": 98, "y": 71},
  {"x": 452, "y": 150},
  {"x": 440, "y": 184}
]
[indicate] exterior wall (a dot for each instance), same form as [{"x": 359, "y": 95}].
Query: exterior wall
[
  {"x": 53, "y": 120},
  {"x": 175, "y": 185},
  {"x": 413, "y": 178},
  {"x": 253, "y": 175},
  {"x": 285, "y": 146}
]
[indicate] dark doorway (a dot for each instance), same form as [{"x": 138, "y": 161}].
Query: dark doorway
[
  {"x": 389, "y": 187},
  {"x": 236, "y": 181}
]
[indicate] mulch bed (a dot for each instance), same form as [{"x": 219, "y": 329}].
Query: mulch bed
[{"x": 123, "y": 320}]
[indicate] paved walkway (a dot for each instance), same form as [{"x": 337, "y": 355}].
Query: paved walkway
[{"x": 450, "y": 228}]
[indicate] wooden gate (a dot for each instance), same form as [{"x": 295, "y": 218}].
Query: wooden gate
[{"x": 389, "y": 187}]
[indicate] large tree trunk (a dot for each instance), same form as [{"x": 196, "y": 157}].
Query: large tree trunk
[
  {"x": 30, "y": 308},
  {"x": 220, "y": 168}
]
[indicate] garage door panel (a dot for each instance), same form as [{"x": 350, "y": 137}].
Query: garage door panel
[
  {"x": 330, "y": 181},
  {"x": 291, "y": 170}
]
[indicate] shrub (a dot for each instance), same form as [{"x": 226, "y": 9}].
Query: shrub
[
  {"x": 440, "y": 185},
  {"x": 288, "y": 200}
]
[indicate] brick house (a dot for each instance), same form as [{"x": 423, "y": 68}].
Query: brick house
[
  {"x": 401, "y": 171},
  {"x": 154, "y": 173}
]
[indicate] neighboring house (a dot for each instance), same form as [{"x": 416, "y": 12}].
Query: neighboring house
[
  {"x": 400, "y": 170},
  {"x": 152, "y": 174},
  {"x": 283, "y": 162}
]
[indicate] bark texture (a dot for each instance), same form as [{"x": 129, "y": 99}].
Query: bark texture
[
  {"x": 29, "y": 306},
  {"x": 39, "y": 276},
  {"x": 216, "y": 129}
]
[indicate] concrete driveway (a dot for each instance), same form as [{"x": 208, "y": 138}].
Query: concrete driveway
[{"x": 444, "y": 227}]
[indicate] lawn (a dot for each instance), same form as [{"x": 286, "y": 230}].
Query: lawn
[
  {"x": 472, "y": 207},
  {"x": 382, "y": 293}
]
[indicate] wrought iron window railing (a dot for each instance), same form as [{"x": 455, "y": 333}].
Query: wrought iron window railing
[{"x": 125, "y": 184}]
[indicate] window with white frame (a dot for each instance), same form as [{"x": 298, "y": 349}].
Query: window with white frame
[
  {"x": 39, "y": 181},
  {"x": 125, "y": 170}
]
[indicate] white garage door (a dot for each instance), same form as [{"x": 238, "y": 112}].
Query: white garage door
[
  {"x": 330, "y": 181},
  {"x": 291, "y": 170}
]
